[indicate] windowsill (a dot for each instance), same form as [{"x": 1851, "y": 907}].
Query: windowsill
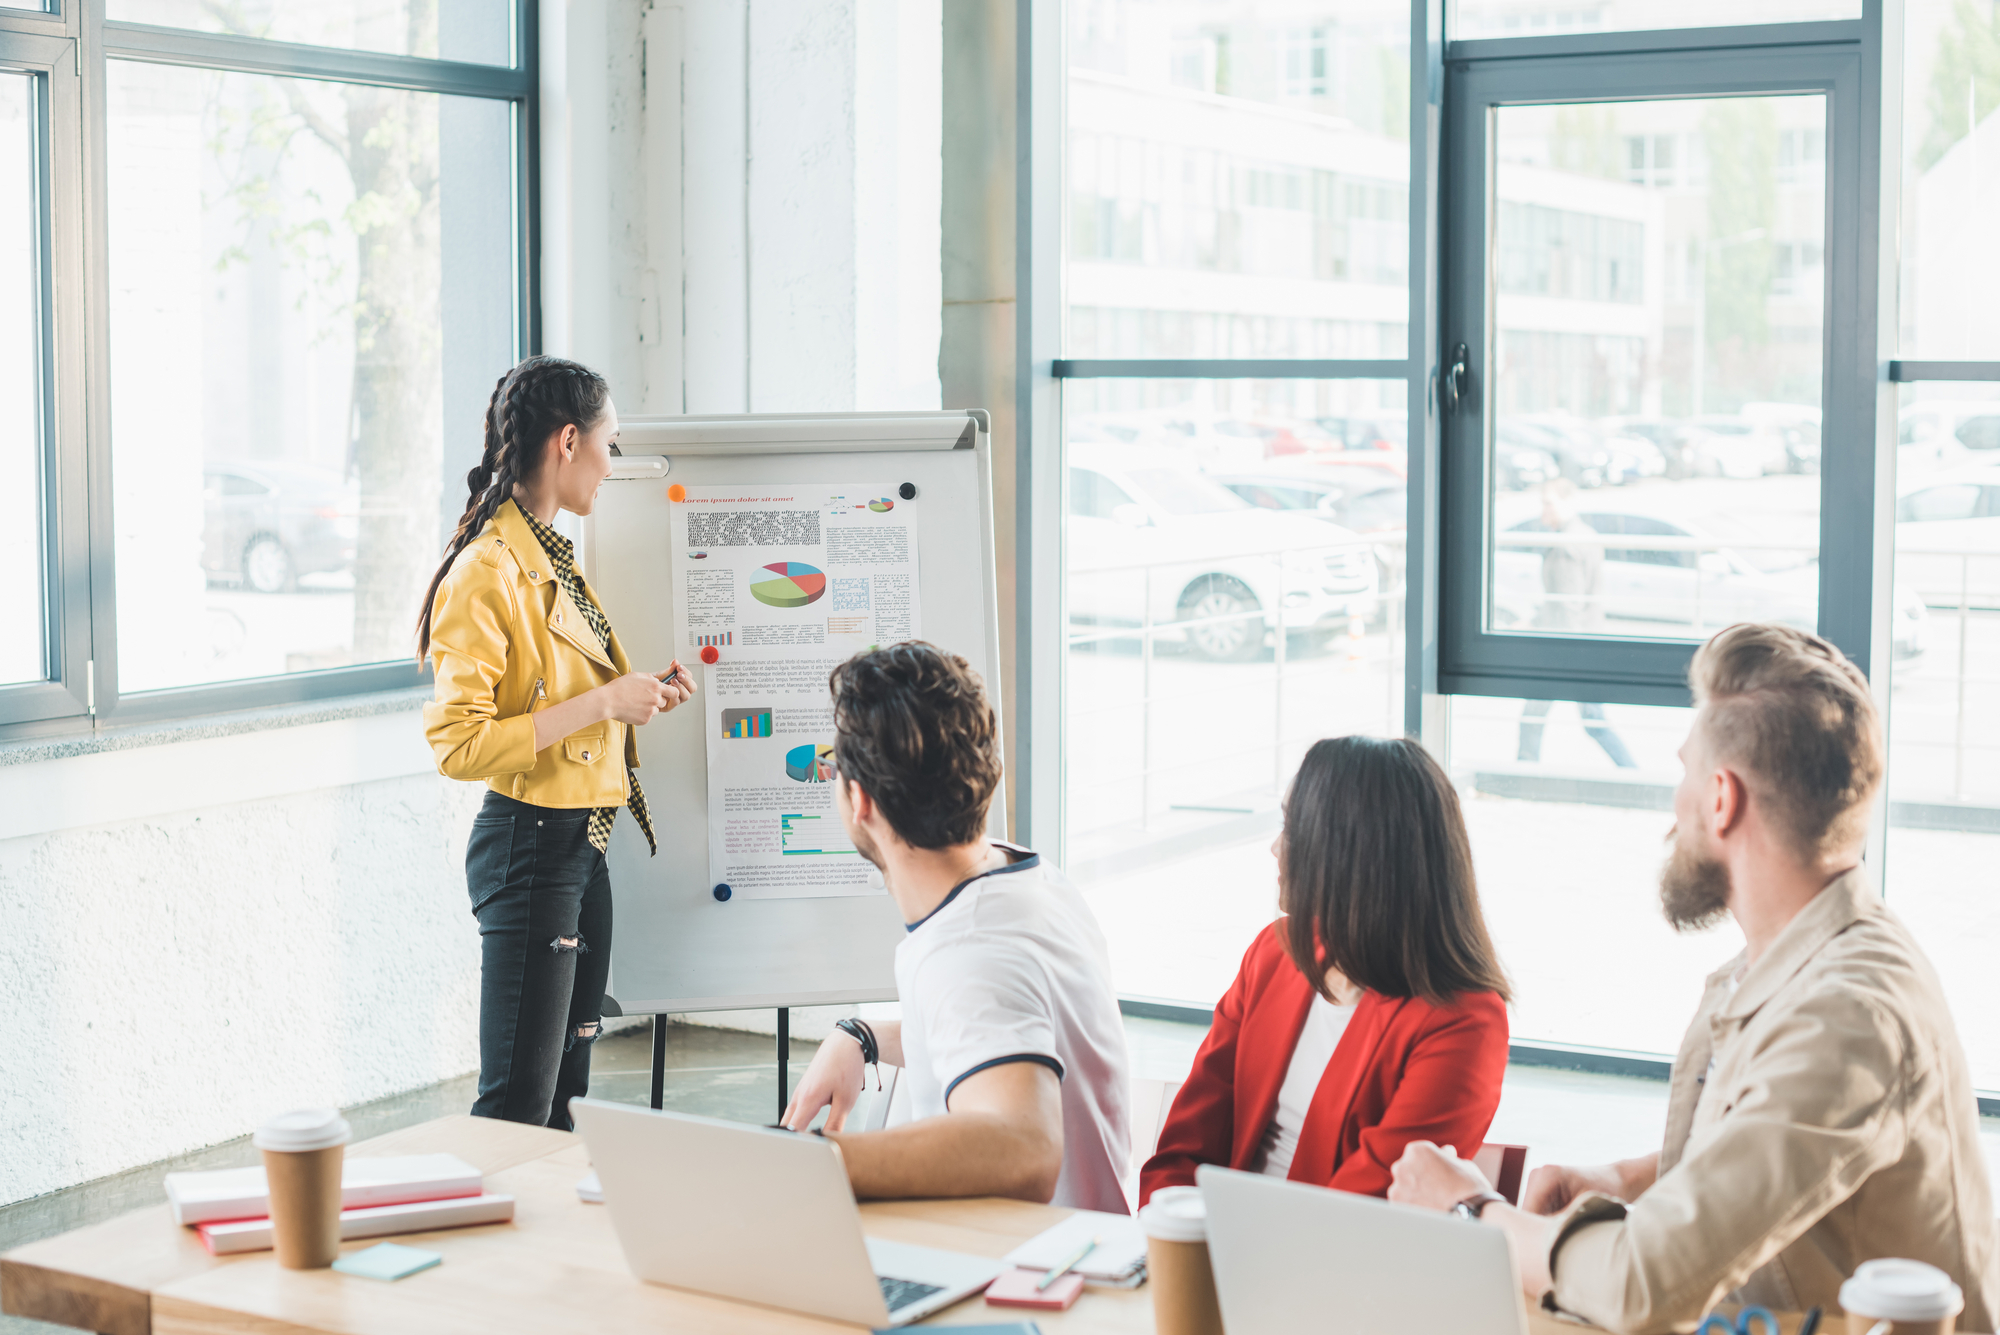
[{"x": 231, "y": 724}]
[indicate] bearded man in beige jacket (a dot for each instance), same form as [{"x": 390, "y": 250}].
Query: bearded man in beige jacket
[{"x": 1821, "y": 1112}]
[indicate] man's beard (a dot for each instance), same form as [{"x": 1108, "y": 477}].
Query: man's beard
[{"x": 1694, "y": 890}]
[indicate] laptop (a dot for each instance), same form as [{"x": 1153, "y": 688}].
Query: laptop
[
  {"x": 758, "y": 1215},
  {"x": 1290, "y": 1257}
]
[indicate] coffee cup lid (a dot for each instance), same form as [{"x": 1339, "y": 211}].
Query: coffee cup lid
[
  {"x": 1898, "y": 1290},
  {"x": 305, "y": 1129},
  {"x": 1176, "y": 1214}
]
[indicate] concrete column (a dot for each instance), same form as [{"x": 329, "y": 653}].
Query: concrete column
[
  {"x": 976, "y": 356},
  {"x": 769, "y": 225}
]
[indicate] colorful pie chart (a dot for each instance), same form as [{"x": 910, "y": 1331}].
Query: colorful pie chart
[
  {"x": 811, "y": 763},
  {"x": 882, "y": 506},
  {"x": 790, "y": 584}
]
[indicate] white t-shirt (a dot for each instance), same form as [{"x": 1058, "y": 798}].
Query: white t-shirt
[
  {"x": 1012, "y": 967},
  {"x": 1325, "y": 1023}
]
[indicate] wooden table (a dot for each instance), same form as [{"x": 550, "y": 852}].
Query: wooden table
[{"x": 556, "y": 1268}]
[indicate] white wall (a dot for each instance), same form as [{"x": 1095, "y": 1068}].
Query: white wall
[
  {"x": 740, "y": 213},
  {"x": 202, "y": 933},
  {"x": 749, "y": 206}
]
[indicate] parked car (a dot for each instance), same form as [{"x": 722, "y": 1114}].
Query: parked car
[
  {"x": 1934, "y": 433},
  {"x": 1586, "y": 463},
  {"x": 1743, "y": 447},
  {"x": 1361, "y": 499},
  {"x": 1948, "y": 539},
  {"x": 266, "y": 524},
  {"x": 1152, "y": 538},
  {"x": 1797, "y": 425},
  {"x": 1650, "y": 592},
  {"x": 1368, "y": 431}
]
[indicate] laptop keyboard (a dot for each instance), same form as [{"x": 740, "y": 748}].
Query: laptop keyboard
[{"x": 900, "y": 1293}]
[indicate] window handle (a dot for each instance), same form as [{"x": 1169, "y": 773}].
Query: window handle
[{"x": 1455, "y": 377}]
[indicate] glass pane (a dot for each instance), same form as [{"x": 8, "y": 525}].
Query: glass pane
[
  {"x": 309, "y": 281},
  {"x": 1569, "y": 805},
  {"x": 1238, "y": 179},
  {"x": 1951, "y": 180},
  {"x": 1540, "y": 18},
  {"x": 1235, "y": 578},
  {"x": 21, "y": 443},
  {"x": 1944, "y": 722},
  {"x": 1659, "y": 274},
  {"x": 479, "y": 31}
]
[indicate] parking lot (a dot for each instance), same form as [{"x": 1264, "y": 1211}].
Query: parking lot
[{"x": 1178, "y": 757}]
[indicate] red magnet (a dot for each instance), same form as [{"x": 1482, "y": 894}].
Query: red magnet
[
  {"x": 677, "y": 492},
  {"x": 709, "y": 654}
]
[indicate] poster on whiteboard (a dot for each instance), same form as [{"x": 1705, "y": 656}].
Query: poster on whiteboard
[{"x": 777, "y": 586}]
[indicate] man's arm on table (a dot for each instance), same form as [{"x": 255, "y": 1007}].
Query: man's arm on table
[
  {"x": 1438, "y": 1179},
  {"x": 1002, "y": 1135},
  {"x": 1795, "y": 1143}
]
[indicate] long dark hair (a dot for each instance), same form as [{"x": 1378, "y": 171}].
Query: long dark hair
[
  {"x": 1377, "y": 875},
  {"x": 530, "y": 403}
]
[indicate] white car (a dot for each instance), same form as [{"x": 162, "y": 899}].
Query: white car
[
  {"x": 1938, "y": 433},
  {"x": 1151, "y": 538},
  {"x": 1948, "y": 539},
  {"x": 1743, "y": 447},
  {"x": 1650, "y": 592}
]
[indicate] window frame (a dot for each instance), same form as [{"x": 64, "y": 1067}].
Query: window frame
[
  {"x": 50, "y": 62},
  {"x": 68, "y": 50},
  {"x": 1832, "y": 59}
]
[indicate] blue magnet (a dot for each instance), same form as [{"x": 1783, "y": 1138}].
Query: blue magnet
[{"x": 721, "y": 893}]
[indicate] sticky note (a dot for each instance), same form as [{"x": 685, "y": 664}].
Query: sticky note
[{"x": 387, "y": 1260}]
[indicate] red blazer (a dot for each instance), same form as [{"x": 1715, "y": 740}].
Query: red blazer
[{"x": 1404, "y": 1070}]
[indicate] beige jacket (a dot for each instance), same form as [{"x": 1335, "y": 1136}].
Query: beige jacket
[{"x": 1837, "y": 1125}]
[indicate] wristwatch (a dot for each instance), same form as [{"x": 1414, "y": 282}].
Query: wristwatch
[{"x": 1472, "y": 1206}]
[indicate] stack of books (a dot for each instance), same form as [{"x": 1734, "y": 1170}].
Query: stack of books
[{"x": 230, "y": 1208}]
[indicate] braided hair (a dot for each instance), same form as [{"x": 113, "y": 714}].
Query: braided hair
[{"x": 530, "y": 403}]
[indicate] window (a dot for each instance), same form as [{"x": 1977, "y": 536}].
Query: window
[
  {"x": 1223, "y": 614},
  {"x": 23, "y": 533},
  {"x": 304, "y": 257},
  {"x": 1540, "y": 18},
  {"x": 479, "y": 31},
  {"x": 299, "y": 228},
  {"x": 1721, "y": 486}
]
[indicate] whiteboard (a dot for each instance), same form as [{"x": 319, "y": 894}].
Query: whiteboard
[{"x": 674, "y": 947}]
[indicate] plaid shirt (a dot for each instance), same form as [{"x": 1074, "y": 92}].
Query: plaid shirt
[{"x": 562, "y": 559}]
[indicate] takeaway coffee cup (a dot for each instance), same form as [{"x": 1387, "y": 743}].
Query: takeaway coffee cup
[
  {"x": 1891, "y": 1297},
  {"x": 302, "y": 1160},
  {"x": 1177, "y": 1269}
]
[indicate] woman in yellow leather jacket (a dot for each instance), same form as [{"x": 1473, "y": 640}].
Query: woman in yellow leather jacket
[{"x": 535, "y": 697}]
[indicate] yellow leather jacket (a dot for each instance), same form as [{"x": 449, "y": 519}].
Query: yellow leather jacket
[{"x": 507, "y": 641}]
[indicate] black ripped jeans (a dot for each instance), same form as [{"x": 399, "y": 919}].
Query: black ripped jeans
[{"x": 542, "y": 896}]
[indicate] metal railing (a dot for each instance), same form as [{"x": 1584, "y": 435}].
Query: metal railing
[
  {"x": 1284, "y": 571},
  {"x": 1342, "y": 611}
]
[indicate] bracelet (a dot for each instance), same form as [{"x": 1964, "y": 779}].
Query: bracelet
[{"x": 858, "y": 1030}]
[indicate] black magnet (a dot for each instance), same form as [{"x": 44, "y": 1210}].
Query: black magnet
[
  {"x": 908, "y": 491},
  {"x": 721, "y": 893}
]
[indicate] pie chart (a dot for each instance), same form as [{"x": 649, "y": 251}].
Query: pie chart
[
  {"x": 789, "y": 584},
  {"x": 882, "y": 506},
  {"x": 810, "y": 763}
]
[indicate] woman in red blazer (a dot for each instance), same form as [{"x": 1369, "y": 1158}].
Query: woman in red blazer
[{"x": 1375, "y": 1012}]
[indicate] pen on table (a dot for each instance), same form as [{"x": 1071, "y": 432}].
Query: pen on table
[
  {"x": 1059, "y": 1271},
  {"x": 1811, "y": 1323}
]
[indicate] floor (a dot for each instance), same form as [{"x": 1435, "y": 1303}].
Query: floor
[{"x": 1561, "y": 1116}]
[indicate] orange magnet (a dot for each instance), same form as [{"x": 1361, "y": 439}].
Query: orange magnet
[
  {"x": 709, "y": 654},
  {"x": 677, "y": 492}
]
